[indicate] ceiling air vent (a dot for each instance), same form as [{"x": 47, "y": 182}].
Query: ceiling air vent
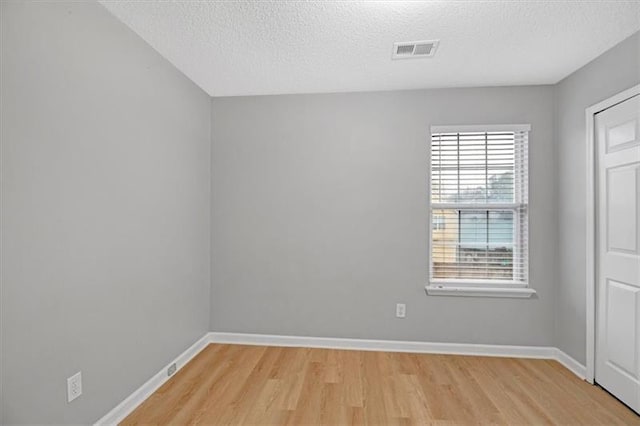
[{"x": 414, "y": 49}]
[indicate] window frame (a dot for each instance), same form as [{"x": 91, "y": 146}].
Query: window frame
[{"x": 479, "y": 287}]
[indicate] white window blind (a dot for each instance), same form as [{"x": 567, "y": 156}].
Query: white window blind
[{"x": 479, "y": 206}]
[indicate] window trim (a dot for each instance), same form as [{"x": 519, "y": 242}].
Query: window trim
[
  {"x": 481, "y": 128},
  {"x": 518, "y": 293},
  {"x": 474, "y": 287}
]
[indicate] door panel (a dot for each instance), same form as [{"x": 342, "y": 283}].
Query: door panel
[
  {"x": 621, "y": 134},
  {"x": 617, "y": 131},
  {"x": 622, "y": 304},
  {"x": 622, "y": 214}
]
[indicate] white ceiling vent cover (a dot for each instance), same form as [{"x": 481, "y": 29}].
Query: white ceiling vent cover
[{"x": 414, "y": 49}]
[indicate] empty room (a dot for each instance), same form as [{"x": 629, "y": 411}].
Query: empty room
[{"x": 288, "y": 212}]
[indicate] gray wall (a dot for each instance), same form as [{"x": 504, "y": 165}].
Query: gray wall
[
  {"x": 105, "y": 211},
  {"x": 320, "y": 215},
  {"x": 616, "y": 70}
]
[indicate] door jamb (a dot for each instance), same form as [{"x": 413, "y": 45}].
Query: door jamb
[{"x": 591, "y": 223}]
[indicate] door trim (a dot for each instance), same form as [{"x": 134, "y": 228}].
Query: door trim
[{"x": 591, "y": 223}]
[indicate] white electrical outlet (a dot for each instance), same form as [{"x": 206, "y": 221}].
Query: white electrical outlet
[
  {"x": 401, "y": 310},
  {"x": 74, "y": 386}
]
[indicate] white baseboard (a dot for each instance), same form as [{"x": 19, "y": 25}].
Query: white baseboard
[
  {"x": 125, "y": 408},
  {"x": 545, "y": 352},
  {"x": 571, "y": 364}
]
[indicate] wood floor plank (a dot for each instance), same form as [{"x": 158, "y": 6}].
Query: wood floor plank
[{"x": 258, "y": 385}]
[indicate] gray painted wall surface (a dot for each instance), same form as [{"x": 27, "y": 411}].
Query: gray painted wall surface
[
  {"x": 614, "y": 71},
  {"x": 320, "y": 216},
  {"x": 105, "y": 211}
]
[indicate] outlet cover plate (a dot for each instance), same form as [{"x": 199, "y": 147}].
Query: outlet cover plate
[
  {"x": 74, "y": 386},
  {"x": 172, "y": 369}
]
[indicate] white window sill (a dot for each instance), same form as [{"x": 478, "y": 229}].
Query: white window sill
[{"x": 519, "y": 293}]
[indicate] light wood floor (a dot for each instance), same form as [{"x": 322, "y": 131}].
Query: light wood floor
[{"x": 234, "y": 384}]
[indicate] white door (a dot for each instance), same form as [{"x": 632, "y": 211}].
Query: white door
[{"x": 617, "y": 132}]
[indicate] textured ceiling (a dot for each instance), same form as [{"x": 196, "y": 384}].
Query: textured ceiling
[{"x": 270, "y": 47}]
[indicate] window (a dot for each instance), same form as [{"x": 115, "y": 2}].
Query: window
[{"x": 479, "y": 210}]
